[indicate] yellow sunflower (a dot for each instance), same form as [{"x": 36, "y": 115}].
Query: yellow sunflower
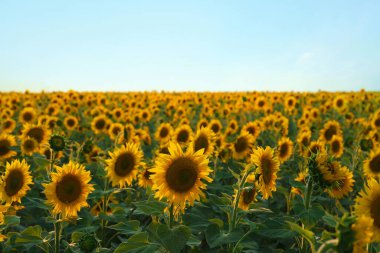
[
  {"x": 330, "y": 129},
  {"x": 363, "y": 228},
  {"x": 122, "y": 167},
  {"x": 285, "y": 149},
  {"x": 15, "y": 182},
  {"x": 163, "y": 133},
  {"x": 6, "y": 142},
  {"x": 178, "y": 176},
  {"x": 183, "y": 134},
  {"x": 68, "y": 191},
  {"x": 71, "y": 122},
  {"x": 242, "y": 146},
  {"x": 8, "y": 125},
  {"x": 372, "y": 163},
  {"x": 27, "y": 115},
  {"x": 247, "y": 197},
  {"x": 343, "y": 186},
  {"x": 253, "y": 128},
  {"x": 204, "y": 139},
  {"x": 29, "y": 146},
  {"x": 144, "y": 178},
  {"x": 368, "y": 204},
  {"x": 99, "y": 124},
  {"x": 267, "y": 167},
  {"x": 116, "y": 130},
  {"x": 38, "y": 132},
  {"x": 215, "y": 126},
  {"x": 336, "y": 146}
]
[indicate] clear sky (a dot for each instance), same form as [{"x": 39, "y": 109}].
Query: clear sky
[{"x": 189, "y": 45}]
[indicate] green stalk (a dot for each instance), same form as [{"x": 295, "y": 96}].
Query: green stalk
[
  {"x": 57, "y": 235},
  {"x": 171, "y": 215},
  {"x": 308, "y": 194}
]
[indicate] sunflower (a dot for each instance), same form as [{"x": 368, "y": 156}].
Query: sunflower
[
  {"x": 285, "y": 149},
  {"x": 368, "y": 204},
  {"x": 303, "y": 139},
  {"x": 123, "y": 165},
  {"x": 27, "y": 115},
  {"x": 6, "y": 142},
  {"x": 215, "y": 126},
  {"x": 267, "y": 167},
  {"x": 163, "y": 133},
  {"x": 372, "y": 163},
  {"x": 204, "y": 139},
  {"x": 375, "y": 122},
  {"x": 330, "y": 129},
  {"x": 202, "y": 123},
  {"x": 242, "y": 146},
  {"x": 29, "y": 146},
  {"x": 15, "y": 182},
  {"x": 71, "y": 122},
  {"x": 38, "y": 132},
  {"x": 183, "y": 134},
  {"x": 69, "y": 189},
  {"x": 363, "y": 228},
  {"x": 144, "y": 178},
  {"x": 232, "y": 126},
  {"x": 248, "y": 196},
  {"x": 8, "y": 125},
  {"x": 343, "y": 186},
  {"x": 116, "y": 130},
  {"x": 253, "y": 128},
  {"x": 330, "y": 170},
  {"x": 178, "y": 176},
  {"x": 315, "y": 147},
  {"x": 336, "y": 146},
  {"x": 340, "y": 103},
  {"x": 99, "y": 124}
]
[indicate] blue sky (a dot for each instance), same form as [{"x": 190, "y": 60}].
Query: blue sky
[{"x": 189, "y": 45}]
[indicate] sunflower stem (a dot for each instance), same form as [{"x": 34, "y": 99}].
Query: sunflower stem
[
  {"x": 236, "y": 203},
  {"x": 308, "y": 194},
  {"x": 57, "y": 235},
  {"x": 171, "y": 215}
]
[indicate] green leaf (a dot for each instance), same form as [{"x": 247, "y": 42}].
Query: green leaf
[
  {"x": 310, "y": 217},
  {"x": 75, "y": 236},
  {"x": 218, "y": 222},
  {"x": 330, "y": 220},
  {"x": 175, "y": 239},
  {"x": 150, "y": 207},
  {"x": 307, "y": 234},
  {"x": 11, "y": 220},
  {"x": 41, "y": 161},
  {"x": 137, "y": 243},
  {"x": 29, "y": 237},
  {"x": 215, "y": 237},
  {"x": 276, "y": 229},
  {"x": 130, "y": 227}
]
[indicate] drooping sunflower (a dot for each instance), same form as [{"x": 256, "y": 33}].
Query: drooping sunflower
[
  {"x": 368, "y": 204},
  {"x": 99, "y": 124},
  {"x": 242, "y": 146},
  {"x": 267, "y": 167},
  {"x": 337, "y": 146},
  {"x": 183, "y": 134},
  {"x": 15, "y": 182},
  {"x": 38, "y": 132},
  {"x": 247, "y": 197},
  {"x": 6, "y": 142},
  {"x": 342, "y": 187},
  {"x": 285, "y": 149},
  {"x": 122, "y": 167},
  {"x": 29, "y": 146},
  {"x": 330, "y": 129},
  {"x": 178, "y": 176},
  {"x": 71, "y": 122},
  {"x": 163, "y": 133},
  {"x": 372, "y": 164},
  {"x": 68, "y": 191},
  {"x": 204, "y": 139}
]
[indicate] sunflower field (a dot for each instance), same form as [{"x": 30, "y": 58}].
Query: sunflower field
[{"x": 190, "y": 172}]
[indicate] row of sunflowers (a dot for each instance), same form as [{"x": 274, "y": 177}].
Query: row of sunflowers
[{"x": 190, "y": 172}]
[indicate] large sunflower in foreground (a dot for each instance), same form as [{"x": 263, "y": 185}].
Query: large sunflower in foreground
[
  {"x": 368, "y": 203},
  {"x": 267, "y": 167},
  {"x": 372, "y": 163},
  {"x": 15, "y": 182},
  {"x": 69, "y": 189},
  {"x": 122, "y": 167},
  {"x": 178, "y": 176}
]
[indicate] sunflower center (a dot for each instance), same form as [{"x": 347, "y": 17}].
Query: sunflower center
[
  {"x": 7, "y": 124},
  {"x": 182, "y": 174},
  {"x": 374, "y": 209},
  {"x": 330, "y": 132},
  {"x": 147, "y": 174},
  {"x": 284, "y": 150},
  {"x": 335, "y": 146},
  {"x": 248, "y": 196},
  {"x": 261, "y": 103},
  {"x": 241, "y": 144},
  {"x": 377, "y": 122},
  {"x": 266, "y": 164},
  {"x": 339, "y": 103},
  {"x": 29, "y": 145},
  {"x": 27, "y": 116},
  {"x": 164, "y": 150},
  {"x": 71, "y": 122},
  {"x": 164, "y": 132},
  {"x": 124, "y": 164},
  {"x": 100, "y": 124},
  {"x": 374, "y": 164},
  {"x": 68, "y": 189},
  {"x": 183, "y": 136},
  {"x": 116, "y": 130},
  {"x": 4, "y": 147},
  {"x": 251, "y": 130},
  {"x": 201, "y": 142},
  {"x": 215, "y": 128},
  {"x": 36, "y": 133},
  {"x": 14, "y": 182}
]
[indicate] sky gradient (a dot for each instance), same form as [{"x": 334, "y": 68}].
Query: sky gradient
[{"x": 189, "y": 45}]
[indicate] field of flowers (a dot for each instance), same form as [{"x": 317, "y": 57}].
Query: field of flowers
[{"x": 190, "y": 172}]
